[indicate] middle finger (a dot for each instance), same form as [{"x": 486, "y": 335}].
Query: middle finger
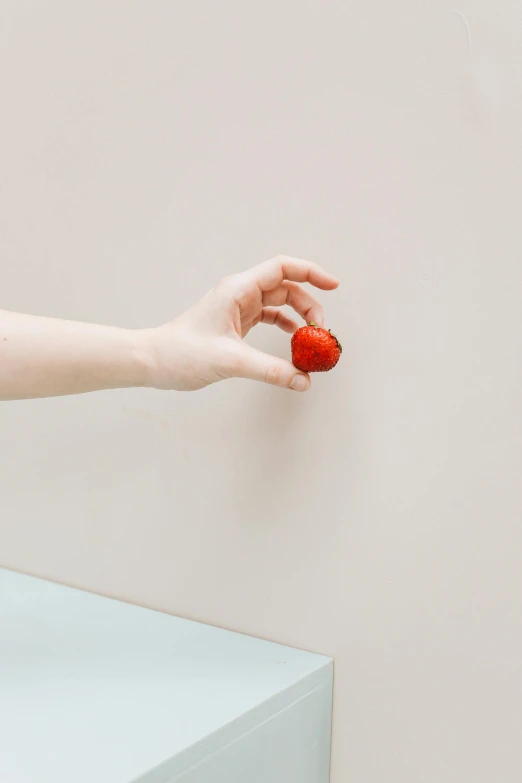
[{"x": 300, "y": 300}]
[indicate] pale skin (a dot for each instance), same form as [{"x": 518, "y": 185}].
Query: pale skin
[{"x": 48, "y": 357}]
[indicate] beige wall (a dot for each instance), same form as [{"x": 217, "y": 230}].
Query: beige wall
[{"x": 146, "y": 149}]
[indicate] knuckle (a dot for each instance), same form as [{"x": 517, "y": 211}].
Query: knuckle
[
  {"x": 226, "y": 282},
  {"x": 226, "y": 289},
  {"x": 294, "y": 292},
  {"x": 279, "y": 260},
  {"x": 232, "y": 285},
  {"x": 274, "y": 374}
]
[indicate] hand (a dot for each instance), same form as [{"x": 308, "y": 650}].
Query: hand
[{"x": 206, "y": 345}]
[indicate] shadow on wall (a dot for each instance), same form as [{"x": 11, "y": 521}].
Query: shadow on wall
[{"x": 266, "y": 467}]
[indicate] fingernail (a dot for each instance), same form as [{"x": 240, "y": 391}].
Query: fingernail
[{"x": 300, "y": 383}]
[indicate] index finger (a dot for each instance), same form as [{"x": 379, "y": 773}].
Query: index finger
[{"x": 272, "y": 273}]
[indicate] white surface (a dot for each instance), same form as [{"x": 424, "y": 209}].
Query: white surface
[
  {"x": 146, "y": 149},
  {"x": 93, "y": 689}
]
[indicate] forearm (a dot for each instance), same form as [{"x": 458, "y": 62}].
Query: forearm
[{"x": 47, "y": 357}]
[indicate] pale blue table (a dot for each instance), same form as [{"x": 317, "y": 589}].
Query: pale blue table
[{"x": 94, "y": 690}]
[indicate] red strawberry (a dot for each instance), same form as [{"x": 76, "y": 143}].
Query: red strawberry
[{"x": 315, "y": 349}]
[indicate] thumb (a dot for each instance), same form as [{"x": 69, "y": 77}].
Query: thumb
[{"x": 258, "y": 366}]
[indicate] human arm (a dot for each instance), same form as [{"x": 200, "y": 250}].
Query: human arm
[{"x": 42, "y": 357}]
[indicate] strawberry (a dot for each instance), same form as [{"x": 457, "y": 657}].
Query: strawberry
[{"x": 315, "y": 349}]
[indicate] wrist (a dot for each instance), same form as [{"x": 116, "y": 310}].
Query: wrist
[{"x": 144, "y": 357}]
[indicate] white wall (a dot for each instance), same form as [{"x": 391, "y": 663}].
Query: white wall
[{"x": 146, "y": 149}]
